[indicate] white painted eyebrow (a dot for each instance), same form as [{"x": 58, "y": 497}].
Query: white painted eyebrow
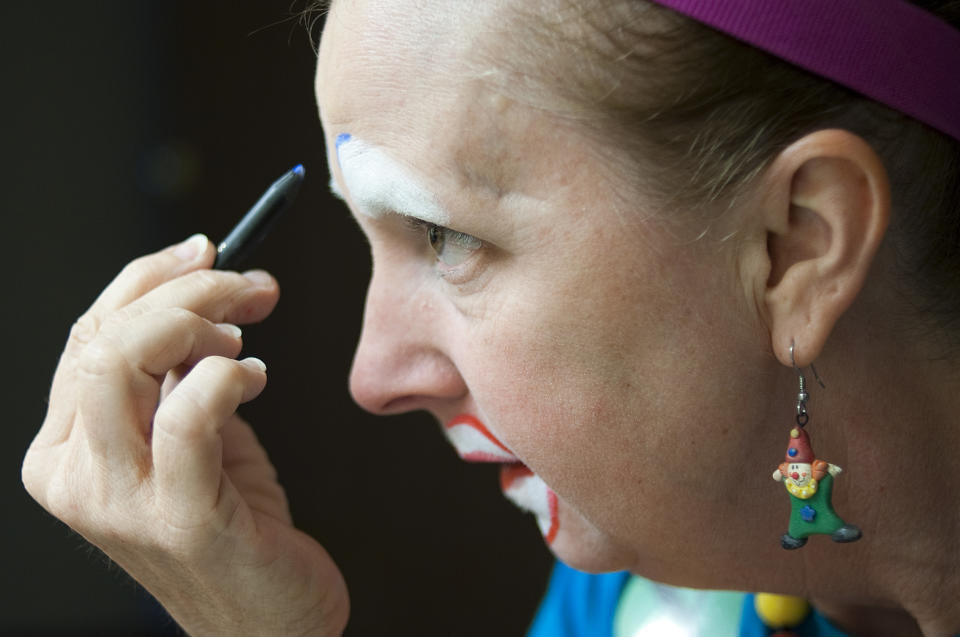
[
  {"x": 378, "y": 185},
  {"x": 335, "y": 189}
]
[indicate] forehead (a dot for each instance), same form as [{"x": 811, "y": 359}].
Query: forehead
[
  {"x": 413, "y": 82},
  {"x": 388, "y": 55}
]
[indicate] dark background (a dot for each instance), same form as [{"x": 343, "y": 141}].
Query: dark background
[{"x": 127, "y": 126}]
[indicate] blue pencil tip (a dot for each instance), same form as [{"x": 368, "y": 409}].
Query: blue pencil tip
[{"x": 298, "y": 169}]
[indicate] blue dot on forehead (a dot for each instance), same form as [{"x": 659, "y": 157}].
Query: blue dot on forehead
[
  {"x": 792, "y": 452},
  {"x": 341, "y": 138}
]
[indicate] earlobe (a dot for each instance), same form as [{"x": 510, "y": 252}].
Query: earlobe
[{"x": 822, "y": 237}]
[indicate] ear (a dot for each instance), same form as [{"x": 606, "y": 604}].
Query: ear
[{"x": 827, "y": 215}]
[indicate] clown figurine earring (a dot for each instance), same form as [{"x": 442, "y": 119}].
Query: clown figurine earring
[{"x": 809, "y": 483}]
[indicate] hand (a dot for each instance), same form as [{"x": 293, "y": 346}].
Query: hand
[
  {"x": 834, "y": 470},
  {"x": 142, "y": 454},
  {"x": 777, "y": 475}
]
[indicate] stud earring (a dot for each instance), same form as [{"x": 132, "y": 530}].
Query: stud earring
[{"x": 809, "y": 482}]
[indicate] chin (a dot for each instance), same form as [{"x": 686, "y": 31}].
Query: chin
[{"x": 582, "y": 546}]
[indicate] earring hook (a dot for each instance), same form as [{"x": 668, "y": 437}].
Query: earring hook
[
  {"x": 800, "y": 372},
  {"x": 803, "y": 396}
]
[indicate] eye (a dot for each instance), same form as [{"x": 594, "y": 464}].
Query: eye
[{"x": 451, "y": 247}]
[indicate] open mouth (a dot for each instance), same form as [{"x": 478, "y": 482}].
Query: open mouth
[{"x": 474, "y": 443}]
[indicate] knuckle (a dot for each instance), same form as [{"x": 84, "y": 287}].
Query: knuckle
[
  {"x": 183, "y": 419},
  {"x": 183, "y": 318},
  {"x": 31, "y": 477},
  {"x": 84, "y": 329},
  {"x": 208, "y": 282},
  {"x": 63, "y": 505},
  {"x": 117, "y": 318},
  {"x": 101, "y": 357},
  {"x": 189, "y": 412},
  {"x": 142, "y": 269},
  {"x": 59, "y": 496},
  {"x": 88, "y": 502}
]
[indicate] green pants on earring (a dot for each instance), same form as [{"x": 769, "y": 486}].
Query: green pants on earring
[{"x": 815, "y": 514}]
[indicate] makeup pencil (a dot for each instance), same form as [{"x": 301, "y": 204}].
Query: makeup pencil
[{"x": 259, "y": 220}]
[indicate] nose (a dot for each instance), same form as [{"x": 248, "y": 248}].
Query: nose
[
  {"x": 795, "y": 475},
  {"x": 400, "y": 363}
]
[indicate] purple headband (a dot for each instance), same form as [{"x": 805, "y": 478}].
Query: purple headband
[{"x": 888, "y": 50}]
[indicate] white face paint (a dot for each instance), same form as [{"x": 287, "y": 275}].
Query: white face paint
[
  {"x": 377, "y": 184},
  {"x": 800, "y": 472}
]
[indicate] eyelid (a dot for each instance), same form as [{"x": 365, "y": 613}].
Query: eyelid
[
  {"x": 418, "y": 225},
  {"x": 414, "y": 224}
]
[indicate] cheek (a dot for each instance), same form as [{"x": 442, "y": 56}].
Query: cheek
[
  {"x": 561, "y": 383},
  {"x": 603, "y": 386},
  {"x": 546, "y": 370}
]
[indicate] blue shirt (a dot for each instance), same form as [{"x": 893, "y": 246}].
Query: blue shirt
[{"x": 583, "y": 605}]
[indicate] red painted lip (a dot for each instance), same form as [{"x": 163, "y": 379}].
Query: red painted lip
[
  {"x": 482, "y": 456},
  {"x": 554, "y": 517},
  {"x": 511, "y": 473},
  {"x": 472, "y": 448},
  {"x": 472, "y": 421}
]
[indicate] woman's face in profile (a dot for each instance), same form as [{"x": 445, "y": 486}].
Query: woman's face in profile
[{"x": 516, "y": 291}]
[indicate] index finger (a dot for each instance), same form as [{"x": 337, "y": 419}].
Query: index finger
[
  {"x": 148, "y": 272},
  {"x": 216, "y": 295}
]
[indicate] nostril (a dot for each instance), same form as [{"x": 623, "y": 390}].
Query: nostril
[{"x": 403, "y": 404}]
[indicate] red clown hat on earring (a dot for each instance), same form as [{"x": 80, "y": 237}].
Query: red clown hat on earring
[{"x": 800, "y": 449}]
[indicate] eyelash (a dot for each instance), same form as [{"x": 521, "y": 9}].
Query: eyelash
[{"x": 445, "y": 237}]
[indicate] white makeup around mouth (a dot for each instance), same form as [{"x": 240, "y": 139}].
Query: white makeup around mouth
[
  {"x": 475, "y": 443},
  {"x": 377, "y": 184},
  {"x": 529, "y": 492}
]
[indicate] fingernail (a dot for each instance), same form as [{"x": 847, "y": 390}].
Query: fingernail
[
  {"x": 192, "y": 247},
  {"x": 256, "y": 362},
  {"x": 259, "y": 278},
  {"x": 230, "y": 329}
]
